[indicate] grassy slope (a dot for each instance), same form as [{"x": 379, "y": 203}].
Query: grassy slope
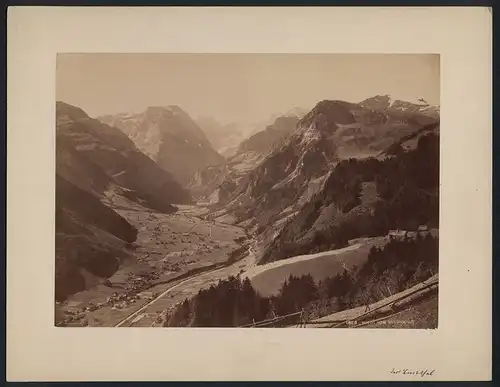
[{"x": 271, "y": 278}]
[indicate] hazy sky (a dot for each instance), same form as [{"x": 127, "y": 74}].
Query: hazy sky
[{"x": 239, "y": 87}]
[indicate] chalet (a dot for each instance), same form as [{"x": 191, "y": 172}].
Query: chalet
[
  {"x": 397, "y": 233},
  {"x": 412, "y": 234},
  {"x": 423, "y": 230}
]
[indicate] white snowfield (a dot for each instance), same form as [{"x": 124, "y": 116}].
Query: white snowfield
[{"x": 256, "y": 270}]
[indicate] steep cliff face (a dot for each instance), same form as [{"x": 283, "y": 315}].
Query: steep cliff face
[
  {"x": 170, "y": 137},
  {"x": 96, "y": 157},
  {"x": 273, "y": 188}
]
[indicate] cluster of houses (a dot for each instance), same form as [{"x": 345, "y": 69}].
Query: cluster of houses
[
  {"x": 401, "y": 234},
  {"x": 157, "y": 231},
  {"x": 138, "y": 283},
  {"x": 120, "y": 301},
  {"x": 176, "y": 266},
  {"x": 117, "y": 301},
  {"x": 123, "y": 300}
]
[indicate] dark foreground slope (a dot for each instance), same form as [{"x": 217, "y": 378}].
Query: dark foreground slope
[{"x": 91, "y": 239}]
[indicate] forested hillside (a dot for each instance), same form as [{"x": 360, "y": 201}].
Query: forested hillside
[{"x": 406, "y": 195}]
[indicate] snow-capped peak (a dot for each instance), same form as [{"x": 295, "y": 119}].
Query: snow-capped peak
[
  {"x": 410, "y": 104},
  {"x": 419, "y": 101},
  {"x": 378, "y": 102}
]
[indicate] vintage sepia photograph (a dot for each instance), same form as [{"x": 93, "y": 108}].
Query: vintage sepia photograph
[{"x": 247, "y": 190}]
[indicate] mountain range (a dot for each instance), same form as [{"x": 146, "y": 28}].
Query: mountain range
[
  {"x": 170, "y": 137},
  {"x": 216, "y": 183},
  {"x": 305, "y": 182}
]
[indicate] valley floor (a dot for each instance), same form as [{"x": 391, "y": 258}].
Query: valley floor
[{"x": 176, "y": 255}]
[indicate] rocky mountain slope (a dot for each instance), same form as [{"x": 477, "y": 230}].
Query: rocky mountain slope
[
  {"x": 217, "y": 183},
  {"x": 170, "y": 137},
  {"x": 379, "y": 122},
  {"x": 264, "y": 141},
  {"x": 386, "y": 103},
  {"x": 296, "y": 111},
  {"x": 304, "y": 156}
]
